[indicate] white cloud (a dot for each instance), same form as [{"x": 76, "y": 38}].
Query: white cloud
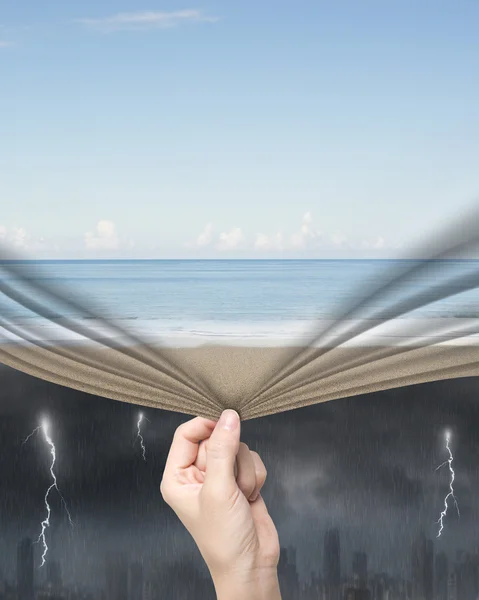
[
  {"x": 231, "y": 240},
  {"x": 273, "y": 242},
  {"x": 339, "y": 239},
  {"x": 262, "y": 241},
  {"x": 5, "y": 44},
  {"x": 297, "y": 241},
  {"x": 378, "y": 244},
  {"x": 16, "y": 237},
  {"x": 204, "y": 239},
  {"x": 307, "y": 219},
  {"x": 19, "y": 237},
  {"x": 303, "y": 238},
  {"x": 104, "y": 238},
  {"x": 307, "y": 233},
  {"x": 307, "y": 239},
  {"x": 147, "y": 20}
]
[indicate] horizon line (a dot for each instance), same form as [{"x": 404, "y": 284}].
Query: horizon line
[{"x": 30, "y": 260}]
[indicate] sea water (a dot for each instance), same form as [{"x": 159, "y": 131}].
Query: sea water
[{"x": 185, "y": 302}]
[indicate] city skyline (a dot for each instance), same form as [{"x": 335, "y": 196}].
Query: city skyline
[
  {"x": 379, "y": 501},
  {"x": 431, "y": 577}
]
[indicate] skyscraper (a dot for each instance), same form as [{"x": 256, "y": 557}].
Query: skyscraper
[
  {"x": 442, "y": 576},
  {"x": 54, "y": 575},
  {"x": 452, "y": 586},
  {"x": 332, "y": 564},
  {"x": 422, "y": 566},
  {"x": 429, "y": 570},
  {"x": 360, "y": 570},
  {"x": 467, "y": 578},
  {"x": 357, "y": 594},
  {"x": 25, "y": 579},
  {"x": 135, "y": 583},
  {"x": 287, "y": 573},
  {"x": 117, "y": 577}
]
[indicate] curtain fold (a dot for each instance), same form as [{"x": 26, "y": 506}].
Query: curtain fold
[{"x": 339, "y": 358}]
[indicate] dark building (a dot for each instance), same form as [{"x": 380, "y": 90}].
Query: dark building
[
  {"x": 442, "y": 576},
  {"x": 360, "y": 570},
  {"x": 452, "y": 586},
  {"x": 180, "y": 580},
  {"x": 357, "y": 594},
  {"x": 117, "y": 577},
  {"x": 422, "y": 567},
  {"x": 332, "y": 565},
  {"x": 429, "y": 570},
  {"x": 379, "y": 587},
  {"x": 135, "y": 583},
  {"x": 25, "y": 579},
  {"x": 287, "y": 573},
  {"x": 467, "y": 578},
  {"x": 54, "y": 575}
]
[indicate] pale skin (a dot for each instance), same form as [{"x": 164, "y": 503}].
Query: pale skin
[{"x": 213, "y": 483}]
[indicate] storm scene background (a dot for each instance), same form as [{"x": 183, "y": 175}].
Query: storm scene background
[{"x": 365, "y": 466}]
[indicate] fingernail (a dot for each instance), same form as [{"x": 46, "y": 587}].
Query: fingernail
[{"x": 229, "y": 420}]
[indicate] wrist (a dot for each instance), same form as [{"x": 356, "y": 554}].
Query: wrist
[{"x": 259, "y": 584}]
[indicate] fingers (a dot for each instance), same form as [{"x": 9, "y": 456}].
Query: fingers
[
  {"x": 260, "y": 475},
  {"x": 221, "y": 452},
  {"x": 246, "y": 478},
  {"x": 184, "y": 448},
  {"x": 200, "y": 462},
  {"x": 250, "y": 471}
]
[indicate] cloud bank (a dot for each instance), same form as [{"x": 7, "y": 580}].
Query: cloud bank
[
  {"x": 306, "y": 238},
  {"x": 16, "y": 237},
  {"x": 105, "y": 237}
]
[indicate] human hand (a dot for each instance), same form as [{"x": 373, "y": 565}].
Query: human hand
[{"x": 213, "y": 483}]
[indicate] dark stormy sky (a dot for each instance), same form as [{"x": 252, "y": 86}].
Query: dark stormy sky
[{"x": 365, "y": 464}]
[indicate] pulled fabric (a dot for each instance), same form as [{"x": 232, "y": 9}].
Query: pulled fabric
[{"x": 335, "y": 360}]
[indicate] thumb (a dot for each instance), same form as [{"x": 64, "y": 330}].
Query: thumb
[{"x": 223, "y": 446}]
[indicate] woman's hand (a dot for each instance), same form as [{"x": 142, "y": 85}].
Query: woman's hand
[{"x": 213, "y": 483}]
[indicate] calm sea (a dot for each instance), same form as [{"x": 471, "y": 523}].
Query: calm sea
[{"x": 229, "y": 298}]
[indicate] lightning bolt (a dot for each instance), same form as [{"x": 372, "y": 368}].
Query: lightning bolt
[
  {"x": 141, "y": 416},
  {"x": 32, "y": 434},
  {"x": 440, "y": 521},
  {"x": 54, "y": 485}
]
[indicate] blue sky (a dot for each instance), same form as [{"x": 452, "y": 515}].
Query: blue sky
[{"x": 286, "y": 128}]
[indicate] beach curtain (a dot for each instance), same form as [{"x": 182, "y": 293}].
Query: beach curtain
[{"x": 336, "y": 359}]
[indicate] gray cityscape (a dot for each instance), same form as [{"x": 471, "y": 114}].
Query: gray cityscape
[
  {"x": 433, "y": 577},
  {"x": 353, "y": 487}
]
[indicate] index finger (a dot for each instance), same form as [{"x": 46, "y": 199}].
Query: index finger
[{"x": 184, "y": 448}]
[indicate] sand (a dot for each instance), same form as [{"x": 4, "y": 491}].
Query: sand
[{"x": 203, "y": 381}]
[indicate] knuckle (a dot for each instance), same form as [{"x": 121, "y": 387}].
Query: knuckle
[
  {"x": 258, "y": 460},
  {"x": 180, "y": 430},
  {"x": 164, "y": 490},
  {"x": 247, "y": 485},
  {"x": 261, "y": 471}
]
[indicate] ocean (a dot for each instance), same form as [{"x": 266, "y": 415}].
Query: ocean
[{"x": 192, "y": 301}]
